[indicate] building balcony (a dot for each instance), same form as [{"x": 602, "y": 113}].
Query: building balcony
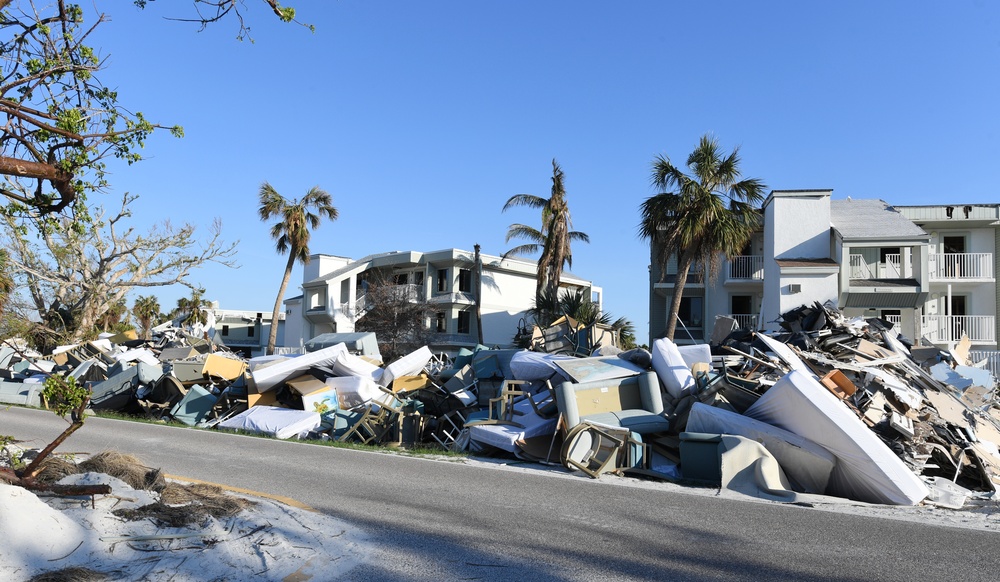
[
  {"x": 944, "y": 329},
  {"x": 890, "y": 269},
  {"x": 958, "y": 267},
  {"x": 745, "y": 268},
  {"x": 744, "y": 320}
]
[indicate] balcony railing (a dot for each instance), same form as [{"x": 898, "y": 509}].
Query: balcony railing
[
  {"x": 992, "y": 360},
  {"x": 951, "y": 328},
  {"x": 890, "y": 269},
  {"x": 859, "y": 268},
  {"x": 958, "y": 266},
  {"x": 745, "y": 320},
  {"x": 747, "y": 268}
]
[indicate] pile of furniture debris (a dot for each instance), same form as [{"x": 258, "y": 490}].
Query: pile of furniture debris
[{"x": 830, "y": 406}]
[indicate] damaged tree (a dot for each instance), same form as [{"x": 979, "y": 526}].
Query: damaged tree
[
  {"x": 396, "y": 314},
  {"x": 60, "y": 122},
  {"x": 63, "y": 396},
  {"x": 76, "y": 268},
  {"x": 554, "y": 238}
]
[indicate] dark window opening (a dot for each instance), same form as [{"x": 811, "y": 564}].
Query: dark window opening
[
  {"x": 465, "y": 280},
  {"x": 400, "y": 279},
  {"x": 441, "y": 323},
  {"x": 225, "y": 330},
  {"x": 250, "y": 330},
  {"x": 442, "y": 280},
  {"x": 464, "y": 322}
]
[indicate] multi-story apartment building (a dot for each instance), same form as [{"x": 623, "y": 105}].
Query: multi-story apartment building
[
  {"x": 334, "y": 293},
  {"x": 931, "y": 269}
]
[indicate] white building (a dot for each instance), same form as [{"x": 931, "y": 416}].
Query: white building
[
  {"x": 333, "y": 294},
  {"x": 245, "y": 332},
  {"x": 931, "y": 269}
]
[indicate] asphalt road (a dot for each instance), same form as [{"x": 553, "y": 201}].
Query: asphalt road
[{"x": 439, "y": 520}]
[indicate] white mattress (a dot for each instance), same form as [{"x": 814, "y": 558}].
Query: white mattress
[
  {"x": 409, "y": 365},
  {"x": 804, "y": 461},
  {"x": 532, "y": 366},
  {"x": 503, "y": 436},
  {"x": 671, "y": 368},
  {"x": 269, "y": 377},
  {"x": 866, "y": 469},
  {"x": 282, "y": 423}
]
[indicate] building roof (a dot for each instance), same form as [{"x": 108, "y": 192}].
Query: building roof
[
  {"x": 872, "y": 219},
  {"x": 806, "y": 262}
]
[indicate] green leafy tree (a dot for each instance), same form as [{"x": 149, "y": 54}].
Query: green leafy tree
[
  {"x": 697, "y": 218},
  {"x": 145, "y": 310},
  {"x": 553, "y": 239},
  {"x": 297, "y": 218}
]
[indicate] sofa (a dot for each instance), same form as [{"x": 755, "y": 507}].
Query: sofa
[{"x": 633, "y": 402}]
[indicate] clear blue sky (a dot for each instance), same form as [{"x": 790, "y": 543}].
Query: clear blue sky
[{"x": 422, "y": 117}]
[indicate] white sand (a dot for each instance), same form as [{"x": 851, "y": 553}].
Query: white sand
[{"x": 269, "y": 541}]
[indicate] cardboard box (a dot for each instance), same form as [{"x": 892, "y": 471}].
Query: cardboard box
[{"x": 305, "y": 385}]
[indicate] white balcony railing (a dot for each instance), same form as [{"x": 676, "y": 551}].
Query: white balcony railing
[
  {"x": 991, "y": 360},
  {"x": 890, "y": 269},
  {"x": 745, "y": 321},
  {"x": 747, "y": 267},
  {"x": 950, "y": 328},
  {"x": 859, "y": 268},
  {"x": 958, "y": 266},
  {"x": 895, "y": 320}
]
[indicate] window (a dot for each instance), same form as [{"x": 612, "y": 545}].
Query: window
[
  {"x": 442, "y": 280},
  {"x": 465, "y": 280},
  {"x": 250, "y": 329},
  {"x": 464, "y": 321},
  {"x": 400, "y": 279},
  {"x": 418, "y": 278},
  {"x": 345, "y": 290},
  {"x": 225, "y": 330},
  {"x": 441, "y": 324},
  {"x": 692, "y": 311}
]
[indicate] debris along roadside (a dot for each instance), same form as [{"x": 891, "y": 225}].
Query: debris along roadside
[{"x": 831, "y": 406}]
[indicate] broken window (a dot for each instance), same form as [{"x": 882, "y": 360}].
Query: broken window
[
  {"x": 442, "y": 280},
  {"x": 441, "y": 324},
  {"x": 465, "y": 280},
  {"x": 464, "y": 322}
]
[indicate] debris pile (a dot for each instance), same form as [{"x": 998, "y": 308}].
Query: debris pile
[{"x": 830, "y": 406}]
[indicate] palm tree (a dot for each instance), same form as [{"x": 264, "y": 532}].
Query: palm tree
[
  {"x": 192, "y": 307},
  {"x": 145, "y": 310},
  {"x": 553, "y": 239},
  {"x": 710, "y": 213},
  {"x": 292, "y": 233}
]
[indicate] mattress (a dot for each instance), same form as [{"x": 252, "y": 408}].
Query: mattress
[
  {"x": 282, "y": 423},
  {"x": 866, "y": 469}
]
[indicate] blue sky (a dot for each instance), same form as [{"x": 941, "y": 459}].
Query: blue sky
[{"x": 422, "y": 117}]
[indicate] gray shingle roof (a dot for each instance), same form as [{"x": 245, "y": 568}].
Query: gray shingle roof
[{"x": 871, "y": 219}]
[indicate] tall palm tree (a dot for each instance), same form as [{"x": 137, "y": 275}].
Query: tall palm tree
[
  {"x": 553, "y": 239},
  {"x": 292, "y": 233},
  {"x": 697, "y": 218},
  {"x": 145, "y": 310}
]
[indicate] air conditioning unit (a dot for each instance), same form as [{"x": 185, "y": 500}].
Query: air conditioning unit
[{"x": 794, "y": 288}]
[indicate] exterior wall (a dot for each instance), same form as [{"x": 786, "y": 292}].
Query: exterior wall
[
  {"x": 804, "y": 233},
  {"x": 246, "y": 331}
]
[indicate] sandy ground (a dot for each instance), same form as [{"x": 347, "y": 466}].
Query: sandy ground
[{"x": 269, "y": 541}]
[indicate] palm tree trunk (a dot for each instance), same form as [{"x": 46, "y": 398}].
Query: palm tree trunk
[
  {"x": 272, "y": 337},
  {"x": 675, "y": 302}
]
